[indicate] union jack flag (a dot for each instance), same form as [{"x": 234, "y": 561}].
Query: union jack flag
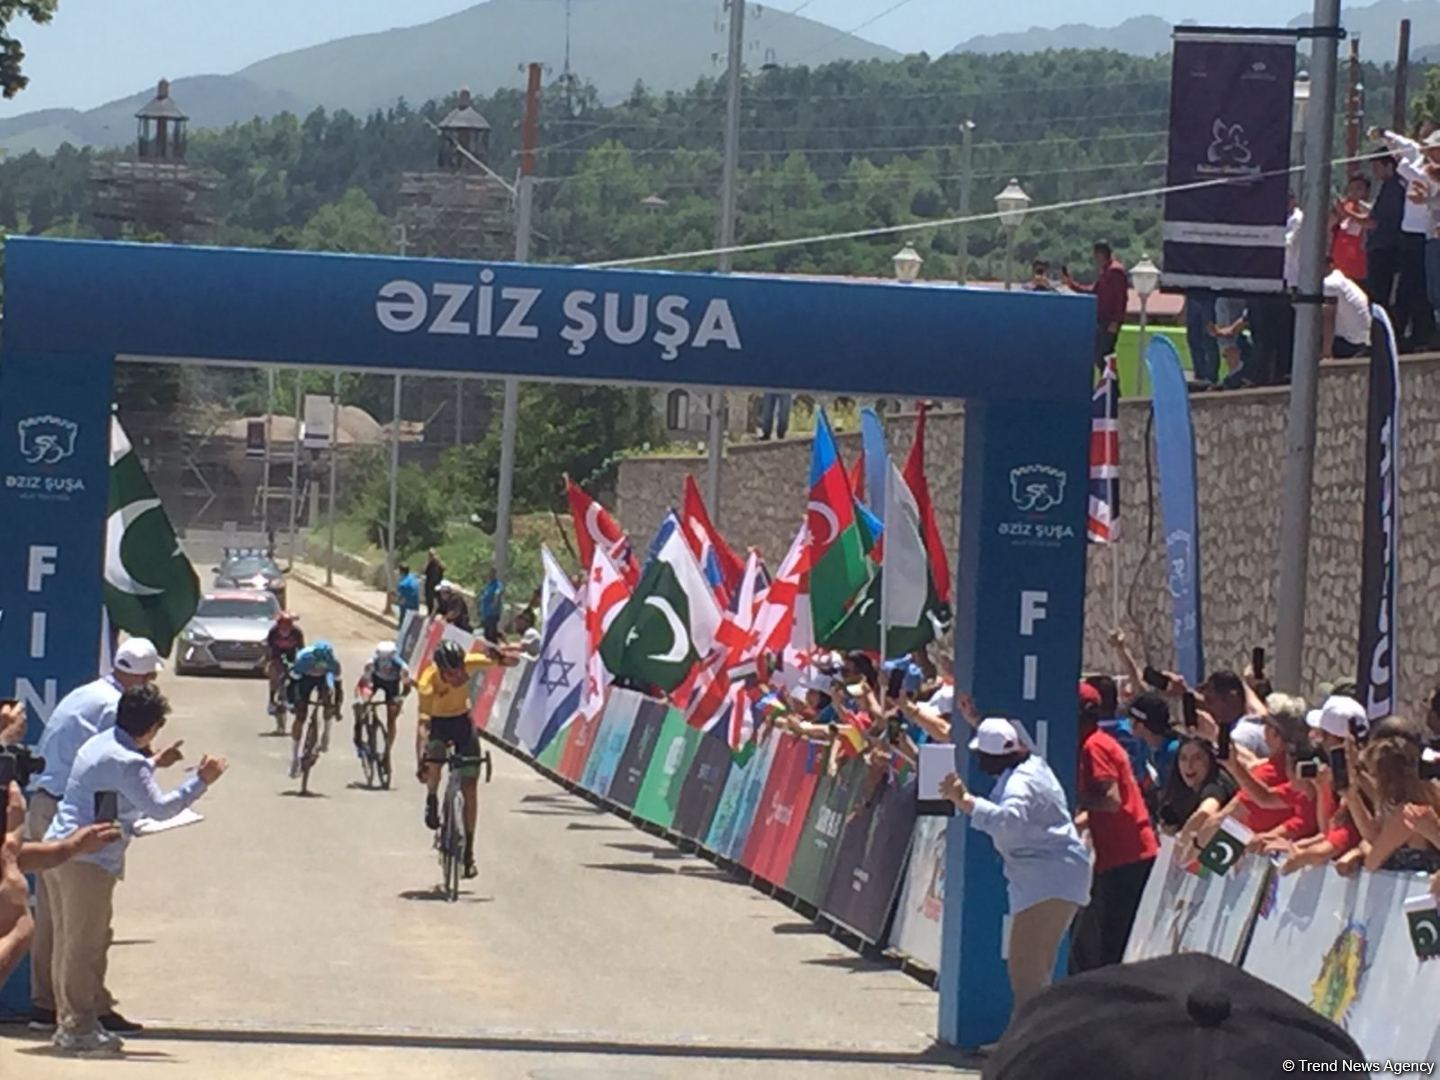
[{"x": 1104, "y": 524}]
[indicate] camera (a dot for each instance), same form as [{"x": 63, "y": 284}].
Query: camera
[{"x": 19, "y": 764}]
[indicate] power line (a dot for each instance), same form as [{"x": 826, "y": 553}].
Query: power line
[
  {"x": 853, "y": 30},
  {"x": 903, "y": 148},
  {"x": 940, "y": 223}
]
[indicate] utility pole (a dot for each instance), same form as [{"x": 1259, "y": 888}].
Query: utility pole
[
  {"x": 509, "y": 420},
  {"x": 1401, "y": 108},
  {"x": 334, "y": 447},
  {"x": 1354, "y": 118},
  {"x": 729, "y": 182},
  {"x": 967, "y": 175},
  {"x": 1304, "y": 386},
  {"x": 265, "y": 469},
  {"x": 295, "y": 465}
]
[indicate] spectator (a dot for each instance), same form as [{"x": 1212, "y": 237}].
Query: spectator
[
  {"x": 1349, "y": 222},
  {"x": 1337, "y": 834},
  {"x": 1047, "y": 869},
  {"x": 1272, "y": 317},
  {"x": 1231, "y": 333},
  {"x": 1113, "y": 810},
  {"x": 434, "y": 575},
  {"x": 81, "y": 714},
  {"x": 1382, "y": 242},
  {"x": 1347, "y": 321},
  {"x": 492, "y": 607},
  {"x": 774, "y": 416},
  {"x": 1401, "y": 828},
  {"x": 1039, "y": 277},
  {"x": 1150, "y": 721},
  {"x": 1204, "y": 348},
  {"x": 530, "y": 636},
  {"x": 115, "y": 761},
  {"x": 1182, "y": 1017},
  {"x": 407, "y": 592},
  {"x": 1197, "y": 789},
  {"x": 1273, "y": 802},
  {"x": 1414, "y": 313},
  {"x": 1112, "y": 297},
  {"x": 1229, "y": 699},
  {"x": 1117, "y": 723},
  {"x": 451, "y": 606}
]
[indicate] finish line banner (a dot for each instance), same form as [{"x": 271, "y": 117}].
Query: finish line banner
[{"x": 1231, "y": 104}]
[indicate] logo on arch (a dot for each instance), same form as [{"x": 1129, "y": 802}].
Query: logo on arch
[
  {"x": 1037, "y": 489},
  {"x": 47, "y": 440}
]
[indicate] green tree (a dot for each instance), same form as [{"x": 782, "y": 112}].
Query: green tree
[
  {"x": 12, "y": 80},
  {"x": 419, "y": 508},
  {"x": 351, "y": 224}
]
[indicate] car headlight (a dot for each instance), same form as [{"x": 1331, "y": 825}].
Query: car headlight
[{"x": 198, "y": 635}]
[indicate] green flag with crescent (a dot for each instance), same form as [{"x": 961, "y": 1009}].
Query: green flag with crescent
[
  {"x": 649, "y": 642},
  {"x": 151, "y": 589}
]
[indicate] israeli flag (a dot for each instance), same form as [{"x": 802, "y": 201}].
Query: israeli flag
[{"x": 559, "y": 678}]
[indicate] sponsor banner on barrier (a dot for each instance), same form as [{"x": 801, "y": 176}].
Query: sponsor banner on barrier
[
  {"x": 581, "y": 741},
  {"x": 660, "y": 792},
  {"x": 736, "y": 812},
  {"x": 814, "y": 857},
  {"x": 512, "y": 716},
  {"x": 617, "y": 718},
  {"x": 550, "y": 756},
  {"x": 424, "y": 645},
  {"x": 1188, "y": 908},
  {"x": 872, "y": 857},
  {"x": 485, "y": 690},
  {"x": 781, "y": 813},
  {"x": 919, "y": 914},
  {"x": 644, "y": 734},
  {"x": 1342, "y": 946},
  {"x": 510, "y": 679},
  {"x": 704, "y": 785}
]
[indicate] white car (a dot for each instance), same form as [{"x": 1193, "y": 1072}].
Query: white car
[{"x": 228, "y": 633}]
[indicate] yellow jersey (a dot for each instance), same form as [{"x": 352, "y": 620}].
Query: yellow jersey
[{"x": 441, "y": 698}]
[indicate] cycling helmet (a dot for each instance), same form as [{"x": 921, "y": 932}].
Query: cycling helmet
[
  {"x": 449, "y": 656},
  {"x": 324, "y": 650},
  {"x": 385, "y": 650}
]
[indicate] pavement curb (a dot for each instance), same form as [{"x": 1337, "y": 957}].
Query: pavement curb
[{"x": 340, "y": 598}]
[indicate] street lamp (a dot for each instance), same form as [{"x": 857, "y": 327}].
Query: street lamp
[
  {"x": 1012, "y": 203},
  {"x": 1145, "y": 277},
  {"x": 907, "y": 264}
]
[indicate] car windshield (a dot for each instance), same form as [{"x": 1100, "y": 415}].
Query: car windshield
[
  {"x": 216, "y": 607},
  {"x": 247, "y": 567}
]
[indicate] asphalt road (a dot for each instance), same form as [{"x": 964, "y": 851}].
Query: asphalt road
[{"x": 301, "y": 936}]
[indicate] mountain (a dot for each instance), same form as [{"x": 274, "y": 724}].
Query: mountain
[
  {"x": 1144, "y": 35},
  {"x": 667, "y": 44}
]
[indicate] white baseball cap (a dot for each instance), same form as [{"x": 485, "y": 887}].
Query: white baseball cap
[
  {"x": 997, "y": 736},
  {"x": 138, "y": 656},
  {"x": 447, "y": 585},
  {"x": 1336, "y": 716}
]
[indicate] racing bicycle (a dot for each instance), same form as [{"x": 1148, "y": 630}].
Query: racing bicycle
[
  {"x": 374, "y": 761},
  {"x": 279, "y": 706},
  {"x": 450, "y": 837},
  {"x": 326, "y": 709}
]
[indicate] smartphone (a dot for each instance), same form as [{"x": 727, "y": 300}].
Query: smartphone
[
  {"x": 107, "y": 806},
  {"x": 1153, "y": 676},
  {"x": 1222, "y": 751},
  {"x": 1187, "y": 706},
  {"x": 1308, "y": 769},
  {"x": 1339, "y": 769},
  {"x": 1257, "y": 662}
]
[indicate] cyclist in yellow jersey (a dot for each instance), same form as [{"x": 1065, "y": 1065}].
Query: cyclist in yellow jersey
[{"x": 443, "y": 689}]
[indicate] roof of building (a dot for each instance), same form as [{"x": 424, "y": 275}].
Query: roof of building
[
  {"x": 464, "y": 116},
  {"x": 162, "y": 106}
]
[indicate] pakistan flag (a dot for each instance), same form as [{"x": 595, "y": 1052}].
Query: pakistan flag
[
  {"x": 649, "y": 641},
  {"x": 151, "y": 589}
]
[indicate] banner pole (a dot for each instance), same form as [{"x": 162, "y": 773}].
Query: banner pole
[{"x": 1114, "y": 585}]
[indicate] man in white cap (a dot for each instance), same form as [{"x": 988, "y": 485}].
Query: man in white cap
[{"x": 85, "y": 711}]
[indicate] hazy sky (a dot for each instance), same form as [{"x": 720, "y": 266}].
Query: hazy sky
[{"x": 99, "y": 50}]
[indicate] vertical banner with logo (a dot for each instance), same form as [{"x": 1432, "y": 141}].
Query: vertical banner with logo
[
  {"x": 1179, "y": 509},
  {"x": 1231, "y": 111},
  {"x": 1380, "y": 555}
]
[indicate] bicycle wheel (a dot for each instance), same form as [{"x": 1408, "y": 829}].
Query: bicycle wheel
[
  {"x": 367, "y": 746},
  {"x": 452, "y": 846},
  {"x": 382, "y": 760},
  {"x": 278, "y": 708},
  {"x": 310, "y": 753}
]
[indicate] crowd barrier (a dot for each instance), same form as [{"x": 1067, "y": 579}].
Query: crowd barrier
[
  {"x": 835, "y": 846},
  {"x": 1340, "y": 945}
]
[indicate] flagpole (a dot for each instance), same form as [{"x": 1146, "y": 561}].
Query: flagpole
[
  {"x": 1114, "y": 585},
  {"x": 265, "y": 469},
  {"x": 334, "y": 448}
]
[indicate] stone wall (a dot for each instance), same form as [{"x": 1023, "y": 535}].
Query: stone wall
[{"x": 1240, "y": 445}]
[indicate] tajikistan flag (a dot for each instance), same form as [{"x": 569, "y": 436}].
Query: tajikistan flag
[{"x": 151, "y": 590}]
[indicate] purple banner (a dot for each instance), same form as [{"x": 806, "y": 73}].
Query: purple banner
[
  {"x": 1231, "y": 105},
  {"x": 871, "y": 857},
  {"x": 1380, "y": 555}
]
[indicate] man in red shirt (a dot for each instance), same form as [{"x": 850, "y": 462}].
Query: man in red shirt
[
  {"x": 1112, "y": 296},
  {"x": 1113, "y": 810}
]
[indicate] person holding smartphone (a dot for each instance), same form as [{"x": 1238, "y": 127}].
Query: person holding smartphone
[{"x": 115, "y": 764}]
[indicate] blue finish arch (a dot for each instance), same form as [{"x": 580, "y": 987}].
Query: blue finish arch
[{"x": 1021, "y": 361}]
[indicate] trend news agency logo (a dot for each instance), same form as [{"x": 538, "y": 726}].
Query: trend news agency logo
[
  {"x": 1037, "y": 489},
  {"x": 47, "y": 440},
  {"x": 1229, "y": 144}
]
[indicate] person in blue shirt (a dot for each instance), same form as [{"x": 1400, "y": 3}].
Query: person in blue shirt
[
  {"x": 385, "y": 672},
  {"x": 1150, "y": 720},
  {"x": 492, "y": 606},
  {"x": 407, "y": 592},
  {"x": 1118, "y": 726},
  {"x": 114, "y": 766},
  {"x": 315, "y": 666}
]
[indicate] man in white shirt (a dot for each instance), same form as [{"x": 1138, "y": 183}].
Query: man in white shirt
[
  {"x": 1416, "y": 164},
  {"x": 1272, "y": 318},
  {"x": 1347, "y": 321}
]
